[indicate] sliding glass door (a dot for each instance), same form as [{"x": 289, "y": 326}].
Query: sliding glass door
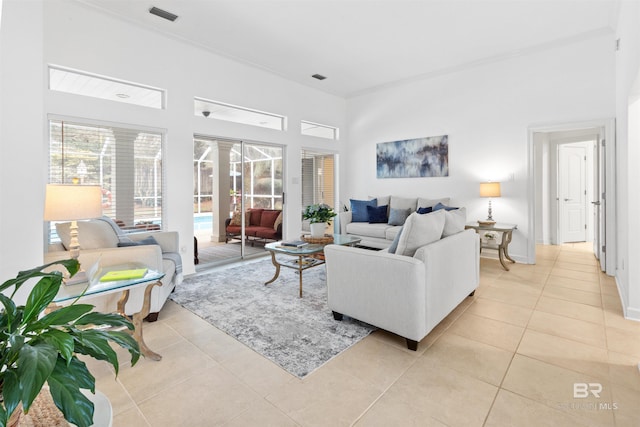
[{"x": 231, "y": 180}]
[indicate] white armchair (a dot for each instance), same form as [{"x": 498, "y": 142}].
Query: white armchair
[
  {"x": 99, "y": 239},
  {"x": 405, "y": 295}
]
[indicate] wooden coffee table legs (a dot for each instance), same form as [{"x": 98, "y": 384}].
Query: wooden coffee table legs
[
  {"x": 137, "y": 318},
  {"x": 277, "y": 265}
]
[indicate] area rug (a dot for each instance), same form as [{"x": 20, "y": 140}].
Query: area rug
[{"x": 299, "y": 334}]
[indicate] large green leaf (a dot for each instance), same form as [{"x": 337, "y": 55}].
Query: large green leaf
[
  {"x": 9, "y": 308},
  {"x": 110, "y": 319},
  {"x": 35, "y": 364},
  {"x": 65, "y": 383},
  {"x": 72, "y": 266},
  {"x": 95, "y": 344},
  {"x": 61, "y": 340},
  {"x": 40, "y": 297},
  {"x": 10, "y": 391},
  {"x": 126, "y": 341},
  {"x": 65, "y": 315}
]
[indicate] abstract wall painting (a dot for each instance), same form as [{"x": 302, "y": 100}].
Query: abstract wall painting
[{"x": 413, "y": 158}]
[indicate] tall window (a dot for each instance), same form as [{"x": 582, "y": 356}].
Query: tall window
[
  {"x": 125, "y": 162},
  {"x": 317, "y": 178}
]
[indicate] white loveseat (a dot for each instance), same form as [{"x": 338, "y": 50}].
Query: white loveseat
[
  {"x": 99, "y": 240},
  {"x": 406, "y": 295},
  {"x": 380, "y": 235}
]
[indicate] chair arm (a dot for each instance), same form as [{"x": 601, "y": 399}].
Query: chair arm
[
  {"x": 344, "y": 218},
  {"x": 452, "y": 269},
  {"x": 168, "y": 240},
  {"x": 227, "y": 222},
  {"x": 385, "y": 290},
  {"x": 148, "y": 255}
]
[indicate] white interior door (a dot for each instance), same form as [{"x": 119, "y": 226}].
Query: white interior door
[{"x": 572, "y": 193}]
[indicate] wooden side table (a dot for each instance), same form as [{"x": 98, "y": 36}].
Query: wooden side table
[{"x": 503, "y": 247}]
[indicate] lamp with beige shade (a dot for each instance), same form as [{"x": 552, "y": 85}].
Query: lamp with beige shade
[{"x": 72, "y": 203}]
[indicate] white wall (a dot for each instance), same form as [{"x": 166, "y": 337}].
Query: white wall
[
  {"x": 73, "y": 35},
  {"x": 22, "y": 176},
  {"x": 628, "y": 155},
  {"x": 486, "y": 111}
]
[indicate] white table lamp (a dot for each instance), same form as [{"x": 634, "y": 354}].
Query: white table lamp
[
  {"x": 71, "y": 203},
  {"x": 489, "y": 189}
]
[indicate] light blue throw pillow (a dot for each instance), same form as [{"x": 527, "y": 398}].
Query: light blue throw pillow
[
  {"x": 398, "y": 216},
  {"x": 359, "y": 209},
  {"x": 394, "y": 244}
]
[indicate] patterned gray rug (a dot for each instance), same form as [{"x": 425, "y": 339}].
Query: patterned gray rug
[{"x": 299, "y": 334}]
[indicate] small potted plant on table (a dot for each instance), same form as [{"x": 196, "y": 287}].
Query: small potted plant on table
[
  {"x": 320, "y": 216},
  {"x": 38, "y": 348}
]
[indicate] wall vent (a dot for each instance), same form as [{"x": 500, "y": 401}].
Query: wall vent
[{"x": 163, "y": 14}]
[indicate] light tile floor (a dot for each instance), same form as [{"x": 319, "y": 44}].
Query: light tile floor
[{"x": 508, "y": 356}]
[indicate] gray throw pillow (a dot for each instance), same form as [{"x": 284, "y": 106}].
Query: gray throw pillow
[
  {"x": 146, "y": 241},
  {"x": 420, "y": 230},
  {"x": 398, "y": 216}
]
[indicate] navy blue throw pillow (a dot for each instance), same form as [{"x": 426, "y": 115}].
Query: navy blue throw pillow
[
  {"x": 359, "y": 209},
  {"x": 377, "y": 214},
  {"x": 426, "y": 210},
  {"x": 441, "y": 206}
]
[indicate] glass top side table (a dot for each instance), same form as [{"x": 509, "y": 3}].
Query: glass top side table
[
  {"x": 503, "y": 246},
  {"x": 68, "y": 293}
]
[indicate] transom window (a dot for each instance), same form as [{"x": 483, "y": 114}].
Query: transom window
[
  {"x": 93, "y": 85},
  {"x": 316, "y": 129},
  {"x": 237, "y": 114}
]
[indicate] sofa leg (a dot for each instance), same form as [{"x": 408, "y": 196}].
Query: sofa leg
[
  {"x": 472, "y": 293},
  {"x": 152, "y": 317},
  {"x": 412, "y": 345},
  {"x": 336, "y": 315}
]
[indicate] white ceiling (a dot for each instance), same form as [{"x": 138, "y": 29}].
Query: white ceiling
[{"x": 361, "y": 45}]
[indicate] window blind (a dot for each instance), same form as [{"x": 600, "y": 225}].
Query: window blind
[
  {"x": 317, "y": 179},
  {"x": 125, "y": 162}
]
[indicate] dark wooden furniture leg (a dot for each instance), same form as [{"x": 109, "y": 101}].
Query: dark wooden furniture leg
[
  {"x": 412, "y": 345},
  {"x": 196, "y": 261}
]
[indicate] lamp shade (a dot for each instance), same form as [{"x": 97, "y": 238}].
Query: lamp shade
[
  {"x": 489, "y": 189},
  {"x": 72, "y": 202}
]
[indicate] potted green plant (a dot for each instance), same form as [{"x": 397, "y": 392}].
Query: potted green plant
[
  {"x": 38, "y": 348},
  {"x": 320, "y": 215}
]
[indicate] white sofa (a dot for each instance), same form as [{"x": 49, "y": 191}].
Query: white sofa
[
  {"x": 406, "y": 295},
  {"x": 380, "y": 235},
  {"x": 99, "y": 239}
]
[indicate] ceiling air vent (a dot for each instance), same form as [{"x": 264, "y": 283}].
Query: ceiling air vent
[
  {"x": 163, "y": 14},
  {"x": 318, "y": 76}
]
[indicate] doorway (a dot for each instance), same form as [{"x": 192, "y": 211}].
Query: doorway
[
  {"x": 233, "y": 176},
  {"x": 554, "y": 220},
  {"x": 572, "y": 173}
]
